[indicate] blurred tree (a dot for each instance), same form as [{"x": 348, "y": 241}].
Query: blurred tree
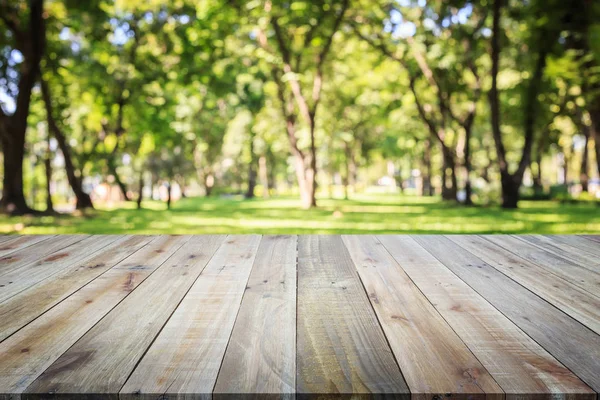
[{"x": 23, "y": 42}]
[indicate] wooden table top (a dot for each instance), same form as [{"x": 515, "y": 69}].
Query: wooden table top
[{"x": 427, "y": 316}]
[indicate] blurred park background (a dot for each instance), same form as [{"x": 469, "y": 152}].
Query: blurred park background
[{"x": 285, "y": 116}]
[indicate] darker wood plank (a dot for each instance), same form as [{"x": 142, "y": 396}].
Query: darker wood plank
[
  {"x": 261, "y": 354},
  {"x": 570, "y": 342},
  {"x": 341, "y": 347}
]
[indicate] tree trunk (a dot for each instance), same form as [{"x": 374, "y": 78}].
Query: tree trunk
[
  {"x": 595, "y": 130},
  {"x": 83, "y": 199},
  {"x": 311, "y": 172},
  {"x": 251, "y": 169},
  {"x": 13, "y": 198},
  {"x": 169, "y": 187},
  {"x": 449, "y": 183},
  {"x": 427, "y": 188},
  {"x": 583, "y": 175},
  {"x": 112, "y": 169},
  {"x": 13, "y": 127},
  {"x": 263, "y": 174},
  {"x": 48, "y": 165},
  {"x": 141, "y": 190},
  {"x": 209, "y": 182},
  {"x": 510, "y": 191},
  {"x": 467, "y": 163},
  {"x": 512, "y": 182}
]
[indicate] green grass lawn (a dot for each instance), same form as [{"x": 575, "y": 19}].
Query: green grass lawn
[{"x": 363, "y": 214}]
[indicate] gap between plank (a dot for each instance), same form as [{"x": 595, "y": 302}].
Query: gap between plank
[
  {"x": 167, "y": 320},
  {"x": 440, "y": 314},
  {"x": 387, "y": 341},
  {"x": 510, "y": 319}
]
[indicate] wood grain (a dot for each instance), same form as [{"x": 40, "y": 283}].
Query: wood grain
[
  {"x": 573, "y": 300},
  {"x": 187, "y": 354},
  {"x": 261, "y": 355},
  {"x": 28, "y": 352},
  {"x": 582, "y": 258},
  {"x": 515, "y": 361},
  {"x": 553, "y": 263},
  {"x": 10, "y": 244},
  {"x": 570, "y": 342},
  {"x": 432, "y": 358},
  {"x": 27, "y": 305},
  {"x": 340, "y": 345},
  {"x": 595, "y": 238},
  {"x": 93, "y": 364},
  {"x": 23, "y": 278},
  {"x": 578, "y": 242},
  {"x": 34, "y": 253}
]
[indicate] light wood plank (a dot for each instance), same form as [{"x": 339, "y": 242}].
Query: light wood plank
[
  {"x": 22, "y": 278},
  {"x": 432, "y": 358},
  {"x": 340, "y": 345},
  {"x": 16, "y": 243},
  {"x": 102, "y": 360},
  {"x": 570, "y": 342},
  {"x": 557, "y": 265},
  {"x": 261, "y": 355},
  {"x": 582, "y": 258},
  {"x": 187, "y": 354},
  {"x": 574, "y": 301},
  {"x": 27, "y": 353},
  {"x": 578, "y": 242},
  {"x": 29, "y": 304},
  {"x": 515, "y": 361},
  {"x": 45, "y": 250}
]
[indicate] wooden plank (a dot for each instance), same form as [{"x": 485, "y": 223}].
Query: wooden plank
[
  {"x": 16, "y": 243},
  {"x": 341, "y": 348},
  {"x": 261, "y": 355},
  {"x": 28, "y": 352},
  {"x": 574, "y": 301},
  {"x": 187, "y": 354},
  {"x": 432, "y": 358},
  {"x": 29, "y": 304},
  {"x": 557, "y": 265},
  {"x": 29, "y": 255},
  {"x": 515, "y": 361},
  {"x": 595, "y": 238},
  {"x": 578, "y": 242},
  {"x": 94, "y": 364},
  {"x": 570, "y": 342},
  {"x": 583, "y": 259},
  {"x": 22, "y": 278}
]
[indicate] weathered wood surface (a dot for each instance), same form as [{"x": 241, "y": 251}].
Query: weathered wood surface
[{"x": 318, "y": 316}]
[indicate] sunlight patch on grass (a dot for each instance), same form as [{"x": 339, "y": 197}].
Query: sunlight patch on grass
[{"x": 376, "y": 213}]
